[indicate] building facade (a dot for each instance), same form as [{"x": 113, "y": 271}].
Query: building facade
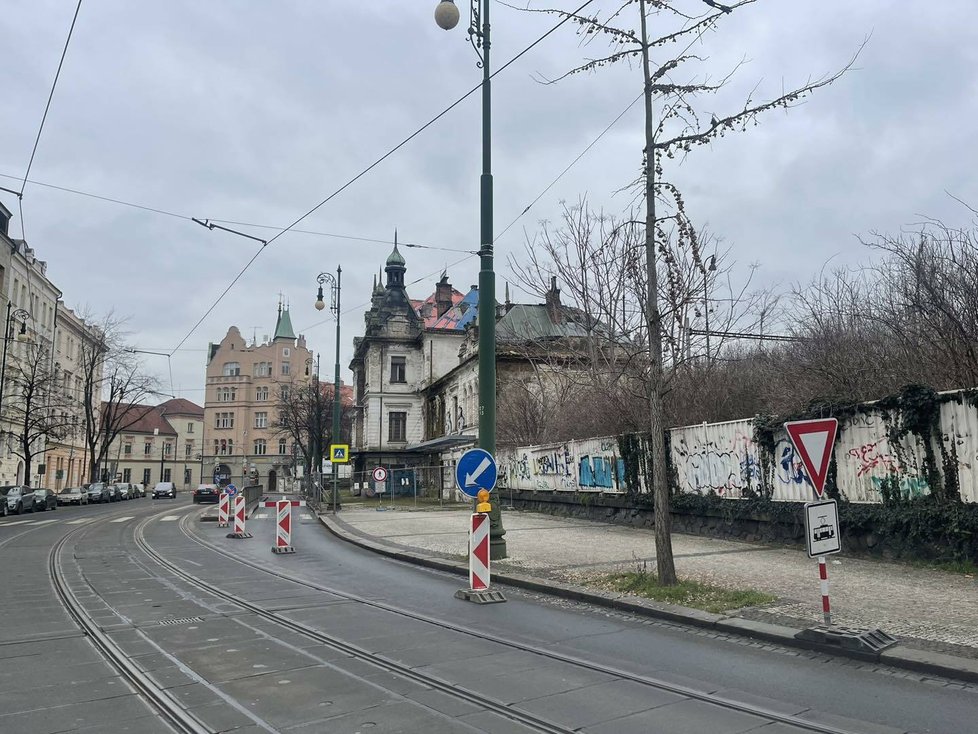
[
  {"x": 23, "y": 285},
  {"x": 66, "y": 456},
  {"x": 242, "y": 442}
]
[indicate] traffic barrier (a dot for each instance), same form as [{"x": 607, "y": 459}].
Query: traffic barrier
[
  {"x": 479, "y": 552},
  {"x": 283, "y": 527},
  {"x": 239, "y": 519},
  {"x": 223, "y": 509},
  {"x": 479, "y": 591}
]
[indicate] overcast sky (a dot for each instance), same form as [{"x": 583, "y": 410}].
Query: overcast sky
[{"x": 255, "y": 111}]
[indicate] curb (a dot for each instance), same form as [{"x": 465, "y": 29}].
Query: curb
[{"x": 898, "y": 656}]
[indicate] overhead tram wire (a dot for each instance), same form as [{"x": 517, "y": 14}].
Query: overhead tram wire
[
  {"x": 518, "y": 216},
  {"x": 376, "y": 163},
  {"x": 190, "y": 218},
  {"x": 44, "y": 117}
]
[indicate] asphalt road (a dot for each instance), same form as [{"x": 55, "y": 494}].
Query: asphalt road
[{"x": 231, "y": 637}]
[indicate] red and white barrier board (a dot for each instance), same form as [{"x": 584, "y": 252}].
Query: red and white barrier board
[
  {"x": 283, "y": 527},
  {"x": 223, "y": 510},
  {"x": 479, "y": 552},
  {"x": 238, "y": 531}
]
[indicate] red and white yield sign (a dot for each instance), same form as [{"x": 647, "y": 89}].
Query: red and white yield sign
[
  {"x": 479, "y": 552},
  {"x": 813, "y": 440}
]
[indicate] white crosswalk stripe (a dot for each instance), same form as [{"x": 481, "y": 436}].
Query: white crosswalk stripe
[
  {"x": 122, "y": 519},
  {"x": 39, "y": 522},
  {"x": 261, "y": 516},
  {"x": 81, "y": 521},
  {"x": 169, "y": 518}
]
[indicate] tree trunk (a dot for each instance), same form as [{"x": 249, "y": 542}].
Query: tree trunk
[{"x": 665, "y": 564}]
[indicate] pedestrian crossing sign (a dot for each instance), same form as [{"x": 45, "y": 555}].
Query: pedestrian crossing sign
[{"x": 340, "y": 453}]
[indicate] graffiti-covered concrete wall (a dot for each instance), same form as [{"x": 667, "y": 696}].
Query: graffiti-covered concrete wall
[{"x": 723, "y": 458}]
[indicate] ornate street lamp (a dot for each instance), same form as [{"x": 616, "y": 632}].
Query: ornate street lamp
[
  {"x": 446, "y": 16},
  {"x": 22, "y": 336},
  {"x": 334, "y": 307}
]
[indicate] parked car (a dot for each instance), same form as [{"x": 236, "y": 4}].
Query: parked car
[
  {"x": 113, "y": 493},
  {"x": 45, "y": 499},
  {"x": 206, "y": 493},
  {"x": 165, "y": 489},
  {"x": 73, "y": 496},
  {"x": 124, "y": 489},
  {"x": 99, "y": 492},
  {"x": 139, "y": 490},
  {"x": 17, "y": 499}
]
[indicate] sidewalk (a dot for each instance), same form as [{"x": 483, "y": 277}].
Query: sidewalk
[{"x": 926, "y": 609}]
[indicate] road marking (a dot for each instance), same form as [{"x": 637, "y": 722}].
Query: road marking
[
  {"x": 39, "y": 522},
  {"x": 79, "y": 522},
  {"x": 122, "y": 519},
  {"x": 261, "y": 516},
  {"x": 169, "y": 518}
]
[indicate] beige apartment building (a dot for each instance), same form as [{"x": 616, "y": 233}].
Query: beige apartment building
[
  {"x": 66, "y": 455},
  {"x": 162, "y": 443},
  {"x": 241, "y": 442}
]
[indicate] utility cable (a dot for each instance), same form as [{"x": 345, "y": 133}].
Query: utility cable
[
  {"x": 376, "y": 163},
  {"x": 47, "y": 107}
]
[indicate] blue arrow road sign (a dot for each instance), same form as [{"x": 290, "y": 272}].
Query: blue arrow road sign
[{"x": 476, "y": 470}]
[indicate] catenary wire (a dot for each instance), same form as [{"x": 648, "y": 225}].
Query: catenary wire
[
  {"x": 373, "y": 165},
  {"x": 47, "y": 106}
]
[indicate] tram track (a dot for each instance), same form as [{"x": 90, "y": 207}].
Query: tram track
[
  {"x": 445, "y": 686},
  {"x": 168, "y": 708}
]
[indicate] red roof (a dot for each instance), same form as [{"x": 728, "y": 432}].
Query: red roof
[
  {"x": 182, "y": 406},
  {"x": 433, "y": 318},
  {"x": 145, "y": 419}
]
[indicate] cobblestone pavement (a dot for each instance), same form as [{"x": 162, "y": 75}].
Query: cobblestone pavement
[{"x": 926, "y": 608}]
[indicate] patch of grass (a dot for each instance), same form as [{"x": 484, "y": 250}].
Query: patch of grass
[
  {"x": 686, "y": 593},
  {"x": 966, "y": 568}
]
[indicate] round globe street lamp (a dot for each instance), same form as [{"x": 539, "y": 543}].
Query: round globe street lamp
[
  {"x": 334, "y": 307},
  {"x": 446, "y": 16}
]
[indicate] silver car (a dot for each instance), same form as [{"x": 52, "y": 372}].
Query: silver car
[
  {"x": 125, "y": 490},
  {"x": 99, "y": 492},
  {"x": 16, "y": 499},
  {"x": 73, "y": 496}
]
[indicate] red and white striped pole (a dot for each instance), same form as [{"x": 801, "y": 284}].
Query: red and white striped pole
[
  {"x": 283, "y": 527},
  {"x": 239, "y": 518},
  {"x": 823, "y": 574},
  {"x": 223, "y": 507},
  {"x": 479, "y": 552}
]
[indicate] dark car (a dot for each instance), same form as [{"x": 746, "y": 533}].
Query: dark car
[
  {"x": 113, "y": 493},
  {"x": 45, "y": 499},
  {"x": 165, "y": 489},
  {"x": 98, "y": 492},
  {"x": 16, "y": 499},
  {"x": 206, "y": 493}
]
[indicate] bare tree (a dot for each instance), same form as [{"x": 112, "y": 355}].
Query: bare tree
[
  {"x": 679, "y": 127},
  {"x": 305, "y": 416},
  {"x": 38, "y": 407}
]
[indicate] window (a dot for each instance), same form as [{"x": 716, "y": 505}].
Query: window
[
  {"x": 190, "y": 428},
  {"x": 146, "y": 477},
  {"x": 261, "y": 420},
  {"x": 397, "y": 426},
  {"x": 398, "y": 369},
  {"x": 286, "y": 368},
  {"x": 231, "y": 369},
  {"x": 188, "y": 449},
  {"x": 284, "y": 392},
  {"x": 230, "y": 446},
  {"x": 261, "y": 394},
  {"x": 263, "y": 369},
  {"x": 127, "y": 475},
  {"x": 167, "y": 448},
  {"x": 147, "y": 448},
  {"x": 223, "y": 447},
  {"x": 127, "y": 449},
  {"x": 166, "y": 475},
  {"x": 225, "y": 395},
  {"x": 224, "y": 420},
  {"x": 186, "y": 476},
  {"x": 281, "y": 445},
  {"x": 260, "y": 447}
]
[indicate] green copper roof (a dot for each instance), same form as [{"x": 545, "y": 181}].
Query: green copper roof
[
  {"x": 396, "y": 258},
  {"x": 283, "y": 329}
]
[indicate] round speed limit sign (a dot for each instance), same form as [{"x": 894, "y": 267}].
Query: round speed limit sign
[{"x": 380, "y": 474}]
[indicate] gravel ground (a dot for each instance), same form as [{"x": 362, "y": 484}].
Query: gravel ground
[{"x": 926, "y": 608}]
